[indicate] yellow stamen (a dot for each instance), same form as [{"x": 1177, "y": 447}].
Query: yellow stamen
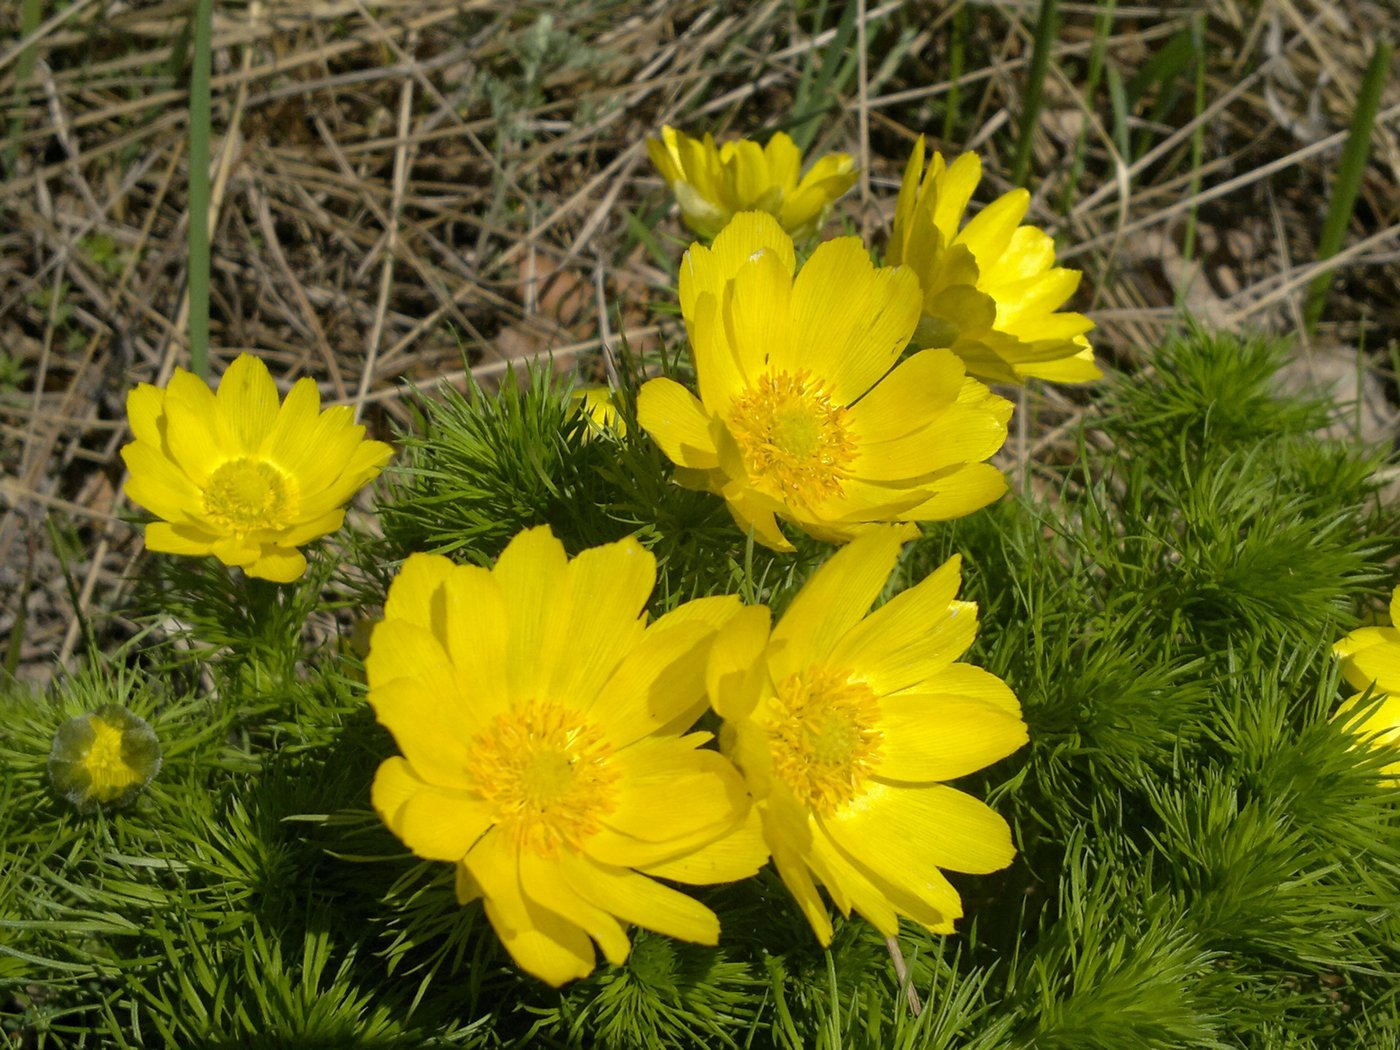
[
  {"x": 111, "y": 775},
  {"x": 823, "y": 735},
  {"x": 548, "y": 774},
  {"x": 794, "y": 439},
  {"x": 248, "y": 494}
]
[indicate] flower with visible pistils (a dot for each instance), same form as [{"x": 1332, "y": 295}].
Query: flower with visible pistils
[
  {"x": 991, "y": 291},
  {"x": 806, "y": 411},
  {"x": 1371, "y": 660},
  {"x": 846, "y": 726},
  {"x": 240, "y": 476},
  {"x": 713, "y": 183},
  {"x": 543, "y": 729}
]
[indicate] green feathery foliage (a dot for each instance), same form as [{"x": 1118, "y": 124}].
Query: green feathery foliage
[{"x": 1205, "y": 858}]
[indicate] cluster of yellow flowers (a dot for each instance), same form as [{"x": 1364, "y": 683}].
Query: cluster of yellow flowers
[
  {"x": 808, "y": 408},
  {"x": 547, "y": 746},
  {"x": 546, "y": 727}
]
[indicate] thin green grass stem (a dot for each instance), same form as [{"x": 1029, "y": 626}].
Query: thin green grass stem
[
  {"x": 1098, "y": 51},
  {"x": 199, "y": 188},
  {"x": 1047, "y": 28},
  {"x": 1349, "y": 174},
  {"x": 1198, "y": 138},
  {"x": 30, "y": 15}
]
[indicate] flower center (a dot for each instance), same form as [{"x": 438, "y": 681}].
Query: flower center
[
  {"x": 111, "y": 775},
  {"x": 547, "y": 773},
  {"x": 793, "y": 438},
  {"x": 823, "y": 737},
  {"x": 248, "y": 494}
]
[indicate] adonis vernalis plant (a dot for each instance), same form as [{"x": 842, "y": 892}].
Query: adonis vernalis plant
[
  {"x": 543, "y": 725},
  {"x": 991, "y": 291},
  {"x": 239, "y": 475},
  {"x": 804, "y": 413},
  {"x": 714, "y": 183},
  {"x": 846, "y": 726}
]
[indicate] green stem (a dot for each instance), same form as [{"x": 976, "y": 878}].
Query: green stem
[
  {"x": 199, "y": 188},
  {"x": 1349, "y": 175},
  {"x": 1047, "y": 28}
]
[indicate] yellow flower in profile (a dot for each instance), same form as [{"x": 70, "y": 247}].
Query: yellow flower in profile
[
  {"x": 1371, "y": 660},
  {"x": 103, "y": 758},
  {"x": 713, "y": 183},
  {"x": 991, "y": 290},
  {"x": 803, "y": 412},
  {"x": 846, "y": 726},
  {"x": 237, "y": 475},
  {"x": 542, "y": 724}
]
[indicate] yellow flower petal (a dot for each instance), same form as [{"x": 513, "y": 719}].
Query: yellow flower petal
[
  {"x": 193, "y": 433},
  {"x": 989, "y": 232},
  {"x": 161, "y": 487},
  {"x": 733, "y": 673},
  {"x": 835, "y": 599},
  {"x": 432, "y": 723},
  {"x": 248, "y": 403},
  {"x": 730, "y": 858},
  {"x": 931, "y": 738},
  {"x": 901, "y": 402},
  {"x": 855, "y": 335},
  {"x": 278, "y": 564},
  {"x": 435, "y": 823},
  {"x": 678, "y": 423},
  {"x": 915, "y": 634},
  {"x": 416, "y": 596},
  {"x": 758, "y": 319},
  {"x": 543, "y": 882},
  {"x": 145, "y": 407},
  {"x": 531, "y": 575},
  {"x": 699, "y": 791},
  {"x": 956, "y": 436},
  {"x": 179, "y": 539},
  {"x": 910, "y": 828},
  {"x": 295, "y": 425},
  {"x": 637, "y": 899},
  {"x": 959, "y": 492},
  {"x": 600, "y": 608},
  {"x": 797, "y": 877},
  {"x": 541, "y": 941},
  {"x": 657, "y": 684}
]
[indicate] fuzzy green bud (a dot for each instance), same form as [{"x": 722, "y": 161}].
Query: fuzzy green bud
[{"x": 103, "y": 758}]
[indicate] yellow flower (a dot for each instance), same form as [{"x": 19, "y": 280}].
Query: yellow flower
[
  {"x": 1371, "y": 655},
  {"x": 714, "y": 183},
  {"x": 103, "y": 758},
  {"x": 991, "y": 290},
  {"x": 543, "y": 725},
  {"x": 1371, "y": 660},
  {"x": 597, "y": 406},
  {"x": 234, "y": 475},
  {"x": 845, "y": 725},
  {"x": 803, "y": 413}
]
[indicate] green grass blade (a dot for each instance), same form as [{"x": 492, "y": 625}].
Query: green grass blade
[
  {"x": 30, "y": 15},
  {"x": 1098, "y": 52},
  {"x": 1349, "y": 174},
  {"x": 199, "y": 188},
  {"x": 1047, "y": 28}
]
